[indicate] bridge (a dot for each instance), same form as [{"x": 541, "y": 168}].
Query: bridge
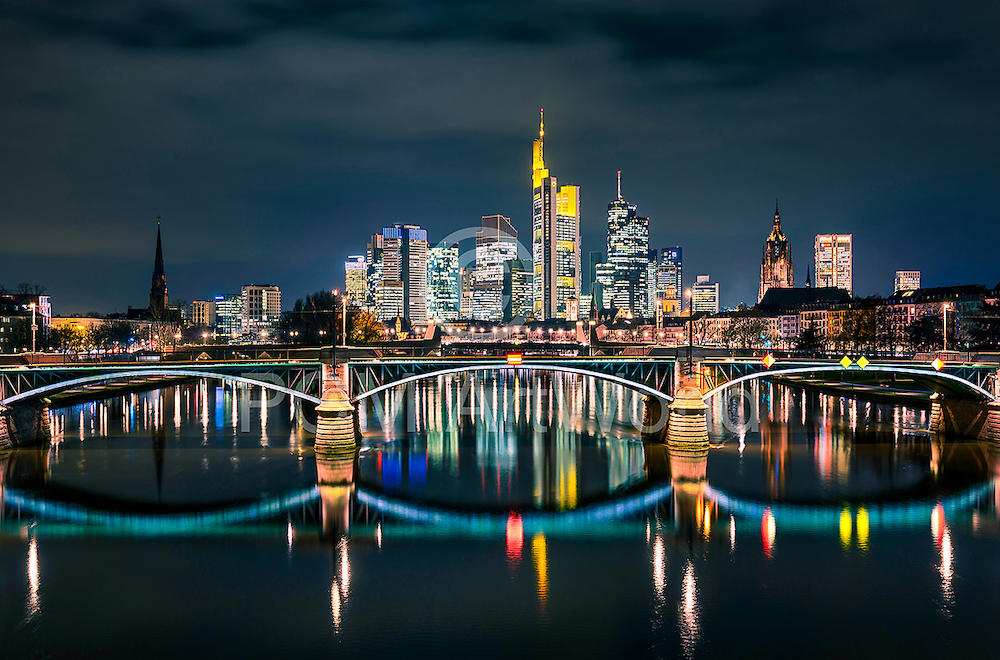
[
  {"x": 965, "y": 395},
  {"x": 303, "y": 380},
  {"x": 653, "y": 377}
]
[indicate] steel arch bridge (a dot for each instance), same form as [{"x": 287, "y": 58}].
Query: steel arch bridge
[
  {"x": 301, "y": 380},
  {"x": 969, "y": 381},
  {"x": 654, "y": 378}
]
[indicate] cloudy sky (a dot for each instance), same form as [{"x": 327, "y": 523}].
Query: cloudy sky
[{"x": 273, "y": 137}]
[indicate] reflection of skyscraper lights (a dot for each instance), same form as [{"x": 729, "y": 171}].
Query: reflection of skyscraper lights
[
  {"x": 659, "y": 569},
  {"x": 942, "y": 540},
  {"x": 34, "y": 600},
  {"x": 688, "y": 611},
  {"x": 732, "y": 533},
  {"x": 378, "y": 535}
]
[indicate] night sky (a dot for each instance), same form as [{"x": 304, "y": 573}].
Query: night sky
[{"x": 274, "y": 137}]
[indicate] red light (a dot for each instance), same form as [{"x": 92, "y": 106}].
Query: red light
[{"x": 514, "y": 537}]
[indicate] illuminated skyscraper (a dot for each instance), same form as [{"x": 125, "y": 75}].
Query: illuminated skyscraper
[
  {"x": 496, "y": 243},
  {"x": 705, "y": 295},
  {"x": 404, "y": 260},
  {"x": 776, "y": 264},
  {"x": 604, "y": 286},
  {"x": 670, "y": 280},
  {"x": 555, "y": 238},
  {"x": 651, "y": 271},
  {"x": 443, "y": 288},
  {"x": 516, "y": 289},
  {"x": 373, "y": 262},
  {"x": 356, "y": 279},
  {"x": 907, "y": 280},
  {"x": 260, "y": 310},
  {"x": 628, "y": 252},
  {"x": 835, "y": 261},
  {"x": 227, "y": 315}
]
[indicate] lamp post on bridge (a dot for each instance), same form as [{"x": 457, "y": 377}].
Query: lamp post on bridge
[
  {"x": 946, "y": 307},
  {"x": 687, "y": 294}
]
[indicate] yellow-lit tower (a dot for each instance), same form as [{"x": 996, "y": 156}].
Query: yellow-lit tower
[{"x": 555, "y": 237}]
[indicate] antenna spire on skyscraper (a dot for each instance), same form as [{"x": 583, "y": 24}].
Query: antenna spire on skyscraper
[
  {"x": 541, "y": 123},
  {"x": 619, "y": 185}
]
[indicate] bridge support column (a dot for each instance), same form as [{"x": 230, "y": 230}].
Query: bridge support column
[
  {"x": 991, "y": 429},
  {"x": 25, "y": 425},
  {"x": 967, "y": 419},
  {"x": 687, "y": 428},
  {"x": 336, "y": 423}
]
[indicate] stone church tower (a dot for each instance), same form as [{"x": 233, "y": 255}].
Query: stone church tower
[{"x": 776, "y": 265}]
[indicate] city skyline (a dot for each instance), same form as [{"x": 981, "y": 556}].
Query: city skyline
[{"x": 718, "y": 133}]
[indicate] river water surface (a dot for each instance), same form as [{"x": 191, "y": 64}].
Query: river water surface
[{"x": 496, "y": 517}]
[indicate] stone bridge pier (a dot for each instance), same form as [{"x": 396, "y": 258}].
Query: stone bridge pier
[
  {"x": 25, "y": 425},
  {"x": 966, "y": 419}
]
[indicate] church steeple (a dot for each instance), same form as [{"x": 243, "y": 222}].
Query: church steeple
[
  {"x": 158, "y": 289},
  {"x": 808, "y": 279}
]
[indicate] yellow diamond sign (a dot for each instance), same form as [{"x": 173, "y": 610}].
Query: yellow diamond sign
[
  {"x": 845, "y": 362},
  {"x": 862, "y": 362},
  {"x": 768, "y": 360},
  {"x": 937, "y": 364}
]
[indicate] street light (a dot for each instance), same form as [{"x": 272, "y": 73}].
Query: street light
[
  {"x": 946, "y": 307},
  {"x": 687, "y": 294},
  {"x": 34, "y": 327},
  {"x": 344, "y": 315}
]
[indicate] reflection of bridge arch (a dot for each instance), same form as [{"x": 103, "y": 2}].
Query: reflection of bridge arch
[
  {"x": 503, "y": 366},
  {"x": 952, "y": 382},
  {"x": 827, "y": 517},
  {"x": 139, "y": 373},
  {"x": 474, "y": 522},
  {"x": 156, "y": 523}
]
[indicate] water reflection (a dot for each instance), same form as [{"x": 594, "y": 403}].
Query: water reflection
[{"x": 469, "y": 504}]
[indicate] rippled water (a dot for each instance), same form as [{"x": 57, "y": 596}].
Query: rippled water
[{"x": 495, "y": 518}]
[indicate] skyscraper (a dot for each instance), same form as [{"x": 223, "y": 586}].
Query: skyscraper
[
  {"x": 907, "y": 280},
  {"x": 652, "y": 268},
  {"x": 496, "y": 243},
  {"x": 467, "y": 284},
  {"x": 203, "y": 313},
  {"x": 356, "y": 279},
  {"x": 628, "y": 252},
  {"x": 373, "y": 263},
  {"x": 227, "y": 315},
  {"x": 705, "y": 295},
  {"x": 776, "y": 264},
  {"x": 555, "y": 237},
  {"x": 604, "y": 286},
  {"x": 516, "y": 289},
  {"x": 594, "y": 257},
  {"x": 835, "y": 261},
  {"x": 443, "y": 286},
  {"x": 158, "y": 290},
  {"x": 670, "y": 280},
  {"x": 260, "y": 310},
  {"x": 404, "y": 260}
]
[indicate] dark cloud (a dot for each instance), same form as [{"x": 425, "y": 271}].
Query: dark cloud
[{"x": 273, "y": 136}]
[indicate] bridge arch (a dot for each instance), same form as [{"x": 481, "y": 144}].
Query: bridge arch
[
  {"x": 131, "y": 373},
  {"x": 503, "y": 366},
  {"x": 960, "y": 384}
]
